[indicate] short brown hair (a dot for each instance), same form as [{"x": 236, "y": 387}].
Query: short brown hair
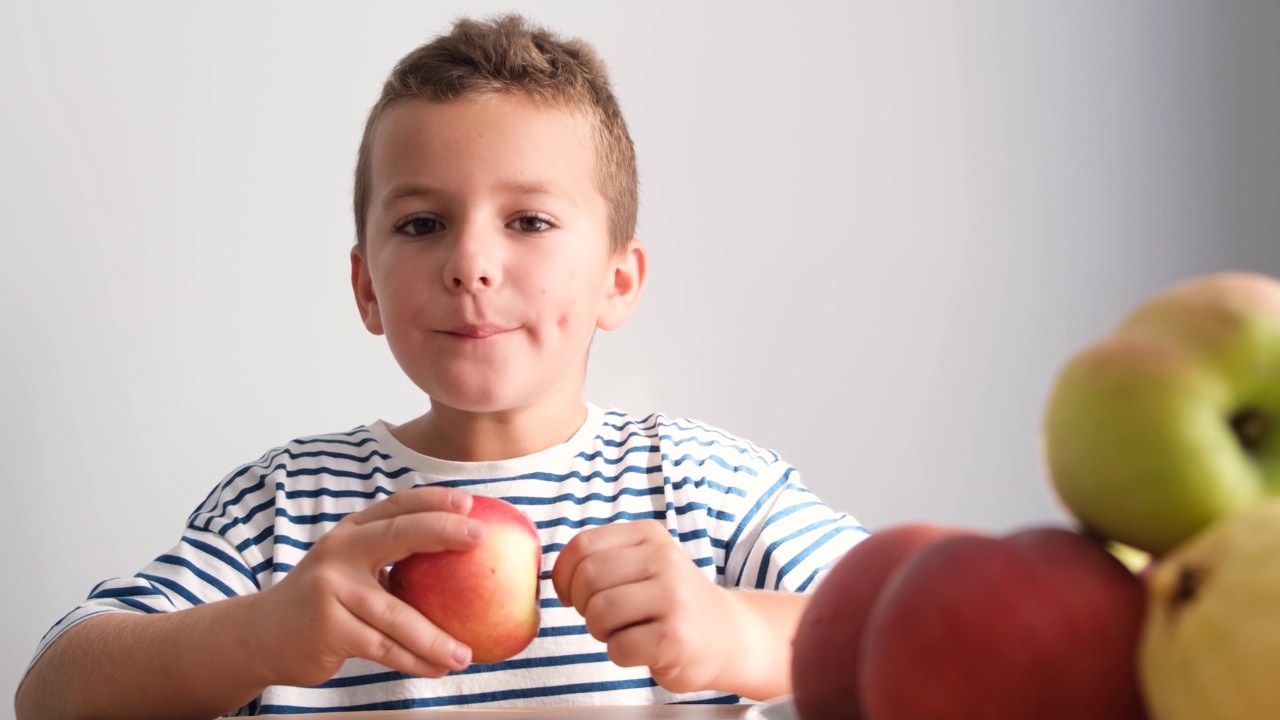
[{"x": 506, "y": 55}]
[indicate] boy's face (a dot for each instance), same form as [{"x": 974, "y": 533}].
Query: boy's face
[{"x": 486, "y": 260}]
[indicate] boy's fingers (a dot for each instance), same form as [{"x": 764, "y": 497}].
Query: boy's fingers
[
  {"x": 414, "y": 500},
  {"x": 604, "y": 570},
  {"x": 621, "y": 607},
  {"x": 406, "y": 635},
  {"x": 592, "y": 541},
  {"x": 635, "y": 645},
  {"x": 371, "y": 644},
  {"x": 385, "y": 541}
]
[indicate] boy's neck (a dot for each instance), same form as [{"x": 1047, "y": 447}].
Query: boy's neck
[{"x": 460, "y": 436}]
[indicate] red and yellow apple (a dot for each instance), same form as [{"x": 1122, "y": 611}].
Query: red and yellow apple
[
  {"x": 486, "y": 597},
  {"x": 1043, "y": 623},
  {"x": 1173, "y": 420},
  {"x": 824, "y": 650}
]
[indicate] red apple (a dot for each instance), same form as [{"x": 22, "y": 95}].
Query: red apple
[
  {"x": 1041, "y": 624},
  {"x": 486, "y": 597},
  {"x": 824, "y": 651}
]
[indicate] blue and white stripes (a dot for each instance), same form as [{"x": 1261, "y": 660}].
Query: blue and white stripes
[{"x": 739, "y": 512}]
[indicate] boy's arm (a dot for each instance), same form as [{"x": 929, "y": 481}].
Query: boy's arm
[
  {"x": 209, "y": 659},
  {"x": 187, "y": 664}
]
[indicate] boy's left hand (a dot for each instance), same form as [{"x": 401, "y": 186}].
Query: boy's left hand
[{"x": 643, "y": 597}]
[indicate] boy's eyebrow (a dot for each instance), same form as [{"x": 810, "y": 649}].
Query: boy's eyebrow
[
  {"x": 404, "y": 190},
  {"x": 519, "y": 187},
  {"x": 400, "y": 191}
]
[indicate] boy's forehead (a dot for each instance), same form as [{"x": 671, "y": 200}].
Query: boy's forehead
[
  {"x": 510, "y": 140},
  {"x": 418, "y": 122}
]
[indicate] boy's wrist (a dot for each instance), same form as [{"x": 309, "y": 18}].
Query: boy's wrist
[
  {"x": 217, "y": 664},
  {"x": 757, "y": 660},
  {"x": 236, "y": 658},
  {"x": 736, "y": 653},
  {"x": 261, "y": 668}
]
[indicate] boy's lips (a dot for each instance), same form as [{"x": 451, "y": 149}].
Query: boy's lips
[{"x": 478, "y": 331}]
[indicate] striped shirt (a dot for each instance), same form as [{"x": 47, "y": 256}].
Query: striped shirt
[{"x": 738, "y": 511}]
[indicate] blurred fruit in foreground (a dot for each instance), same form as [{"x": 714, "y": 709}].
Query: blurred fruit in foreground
[
  {"x": 1041, "y": 624},
  {"x": 1172, "y": 421},
  {"x": 1211, "y": 647},
  {"x": 824, "y": 652}
]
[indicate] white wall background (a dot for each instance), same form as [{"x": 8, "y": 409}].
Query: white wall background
[{"x": 876, "y": 233}]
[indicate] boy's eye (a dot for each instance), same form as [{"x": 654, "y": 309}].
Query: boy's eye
[
  {"x": 419, "y": 226},
  {"x": 531, "y": 224}
]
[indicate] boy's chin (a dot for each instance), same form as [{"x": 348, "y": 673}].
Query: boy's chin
[
  {"x": 499, "y": 392},
  {"x": 490, "y": 403}
]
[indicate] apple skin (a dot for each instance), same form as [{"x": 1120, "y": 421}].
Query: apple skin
[
  {"x": 486, "y": 597},
  {"x": 824, "y": 650},
  {"x": 1211, "y": 644},
  {"x": 1043, "y": 623},
  {"x": 1173, "y": 420}
]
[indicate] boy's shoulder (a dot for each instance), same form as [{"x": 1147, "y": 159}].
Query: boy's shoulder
[
  {"x": 348, "y": 457},
  {"x": 361, "y": 445},
  {"x": 683, "y": 439}
]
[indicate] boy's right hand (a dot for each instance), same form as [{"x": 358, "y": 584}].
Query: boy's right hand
[{"x": 332, "y": 605}]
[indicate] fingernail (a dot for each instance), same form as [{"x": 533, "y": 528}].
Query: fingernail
[
  {"x": 462, "y": 656},
  {"x": 475, "y": 530}
]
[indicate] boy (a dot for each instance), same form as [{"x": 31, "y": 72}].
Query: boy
[{"x": 495, "y": 204}]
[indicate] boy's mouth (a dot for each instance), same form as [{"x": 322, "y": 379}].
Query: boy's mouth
[{"x": 478, "y": 331}]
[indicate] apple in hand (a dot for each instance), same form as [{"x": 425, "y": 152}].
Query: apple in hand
[
  {"x": 1174, "y": 419},
  {"x": 824, "y": 651},
  {"x": 486, "y": 597},
  {"x": 1043, "y": 623},
  {"x": 1211, "y": 646}
]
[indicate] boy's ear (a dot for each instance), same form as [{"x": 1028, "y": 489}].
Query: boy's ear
[
  {"x": 623, "y": 290},
  {"x": 362, "y": 285}
]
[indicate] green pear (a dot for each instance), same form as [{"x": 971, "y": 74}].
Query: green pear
[
  {"x": 1170, "y": 422},
  {"x": 1210, "y": 646}
]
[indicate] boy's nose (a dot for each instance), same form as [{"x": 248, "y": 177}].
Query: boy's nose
[
  {"x": 478, "y": 282},
  {"x": 472, "y": 266}
]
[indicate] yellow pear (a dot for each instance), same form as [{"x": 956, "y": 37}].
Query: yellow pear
[{"x": 1211, "y": 643}]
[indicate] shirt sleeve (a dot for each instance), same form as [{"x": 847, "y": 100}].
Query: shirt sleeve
[
  {"x": 786, "y": 537},
  {"x": 210, "y": 561},
  {"x": 203, "y": 567}
]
